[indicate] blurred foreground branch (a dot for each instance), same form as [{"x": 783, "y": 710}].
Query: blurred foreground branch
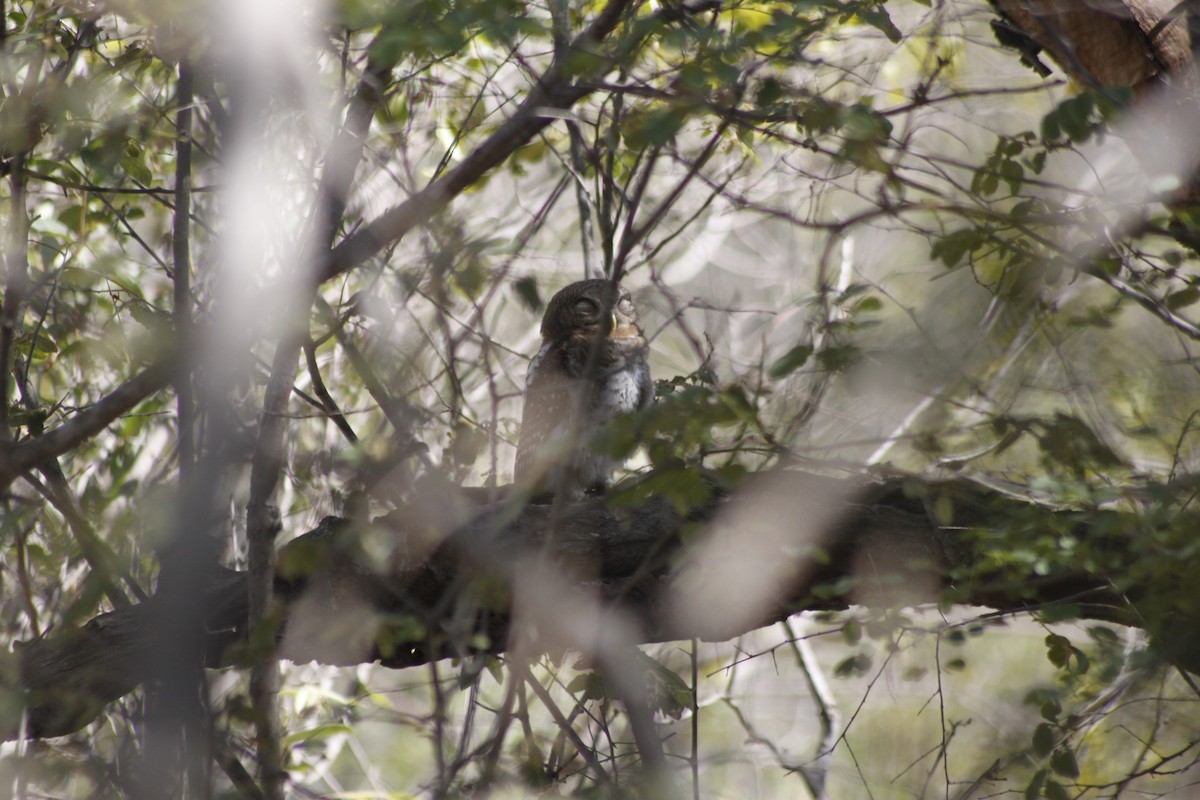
[{"x": 396, "y": 592}]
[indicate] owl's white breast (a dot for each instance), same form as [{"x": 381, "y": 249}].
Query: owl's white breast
[{"x": 620, "y": 392}]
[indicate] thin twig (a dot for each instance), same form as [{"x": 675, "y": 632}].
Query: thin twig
[
  {"x": 182, "y": 273},
  {"x": 581, "y": 747},
  {"x": 554, "y": 91},
  {"x": 328, "y": 404},
  {"x": 560, "y": 18},
  {"x": 17, "y": 258}
]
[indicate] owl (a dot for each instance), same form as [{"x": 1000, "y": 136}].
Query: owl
[{"x": 590, "y": 368}]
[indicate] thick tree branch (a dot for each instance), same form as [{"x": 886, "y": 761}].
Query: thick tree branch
[
  {"x": 346, "y": 605},
  {"x": 1133, "y": 43}
]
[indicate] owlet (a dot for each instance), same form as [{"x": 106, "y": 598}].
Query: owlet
[{"x": 590, "y": 368}]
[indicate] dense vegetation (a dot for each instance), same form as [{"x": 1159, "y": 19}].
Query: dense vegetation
[{"x": 268, "y": 262}]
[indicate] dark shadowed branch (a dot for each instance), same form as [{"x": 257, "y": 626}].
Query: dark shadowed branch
[{"x": 345, "y": 607}]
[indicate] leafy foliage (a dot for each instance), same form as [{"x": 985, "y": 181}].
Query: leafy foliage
[{"x": 859, "y": 236}]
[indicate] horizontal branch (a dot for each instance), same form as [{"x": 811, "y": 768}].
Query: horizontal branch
[
  {"x": 396, "y": 592},
  {"x": 82, "y": 426}
]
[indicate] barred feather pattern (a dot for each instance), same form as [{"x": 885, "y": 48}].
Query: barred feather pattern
[{"x": 571, "y": 393}]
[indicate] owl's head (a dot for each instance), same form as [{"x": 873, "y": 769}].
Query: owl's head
[{"x": 585, "y": 308}]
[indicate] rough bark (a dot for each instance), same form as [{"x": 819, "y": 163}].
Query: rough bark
[
  {"x": 1131, "y": 43},
  {"x": 397, "y": 592},
  {"x": 1145, "y": 46}
]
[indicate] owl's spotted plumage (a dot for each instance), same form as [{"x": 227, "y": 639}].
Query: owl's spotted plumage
[{"x": 571, "y": 392}]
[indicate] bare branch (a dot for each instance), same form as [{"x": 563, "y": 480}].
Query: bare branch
[
  {"x": 182, "y": 262},
  {"x": 555, "y": 91}
]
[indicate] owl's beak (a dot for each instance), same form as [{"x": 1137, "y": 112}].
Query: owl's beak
[{"x": 614, "y": 321}]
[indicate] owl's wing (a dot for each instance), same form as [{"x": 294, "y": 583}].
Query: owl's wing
[{"x": 545, "y": 419}]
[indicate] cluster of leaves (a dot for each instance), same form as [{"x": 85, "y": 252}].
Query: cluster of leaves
[
  {"x": 679, "y": 432},
  {"x": 676, "y": 106},
  {"x": 430, "y": 31}
]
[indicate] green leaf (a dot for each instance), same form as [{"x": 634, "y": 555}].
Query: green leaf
[
  {"x": 770, "y": 92},
  {"x": 316, "y": 734},
  {"x": 877, "y": 17},
  {"x": 471, "y": 277},
  {"x": 861, "y": 123},
  {"x": 684, "y": 488},
  {"x": 654, "y": 128},
  {"x": 1026, "y": 209},
  {"x": 734, "y": 399},
  {"x": 868, "y": 305},
  {"x": 953, "y": 247},
  {"x": 1043, "y": 739},
  {"x": 49, "y": 248},
  {"x": 43, "y": 344},
  {"x": 852, "y": 666},
  {"x": 71, "y": 217},
  {"x": 1066, "y": 441},
  {"x": 1058, "y": 649},
  {"x": 1182, "y": 299},
  {"x": 790, "y": 361},
  {"x": 148, "y": 317},
  {"x": 987, "y": 183},
  {"x": 591, "y": 684},
  {"x": 1013, "y": 174},
  {"x": 1050, "y": 127},
  {"x": 667, "y": 692},
  {"x": 1073, "y": 118},
  {"x": 1063, "y": 763},
  {"x": 1034, "y": 789},
  {"x": 135, "y": 167},
  {"x": 838, "y": 358}
]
